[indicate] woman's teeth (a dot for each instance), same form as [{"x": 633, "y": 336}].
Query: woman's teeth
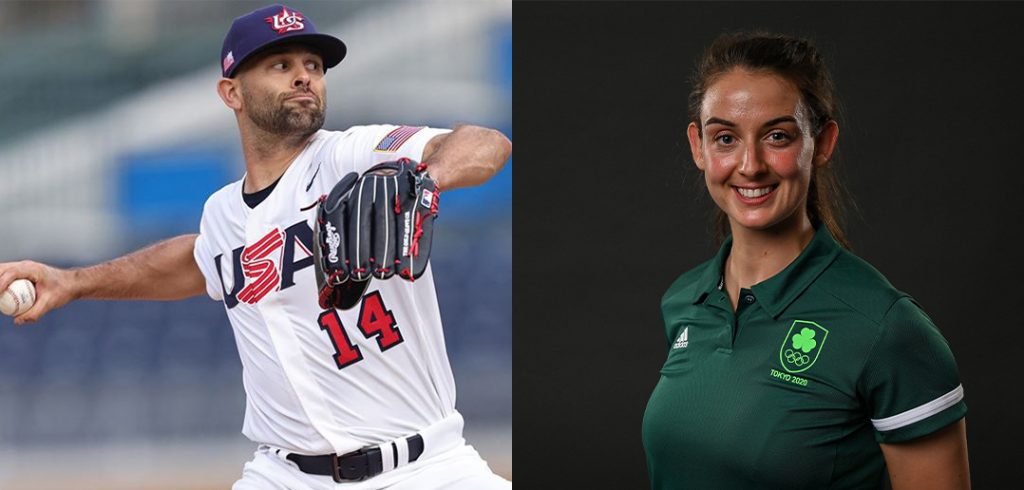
[{"x": 752, "y": 193}]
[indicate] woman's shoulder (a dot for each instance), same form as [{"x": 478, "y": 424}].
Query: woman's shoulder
[
  {"x": 690, "y": 284},
  {"x": 855, "y": 282}
]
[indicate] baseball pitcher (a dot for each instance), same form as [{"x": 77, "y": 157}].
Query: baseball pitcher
[{"x": 320, "y": 256}]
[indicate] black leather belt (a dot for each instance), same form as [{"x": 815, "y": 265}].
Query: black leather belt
[{"x": 357, "y": 465}]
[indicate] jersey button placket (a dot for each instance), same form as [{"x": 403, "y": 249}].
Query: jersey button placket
[
  {"x": 746, "y": 298},
  {"x": 724, "y": 339}
]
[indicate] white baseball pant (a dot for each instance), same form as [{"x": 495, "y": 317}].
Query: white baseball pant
[{"x": 447, "y": 463}]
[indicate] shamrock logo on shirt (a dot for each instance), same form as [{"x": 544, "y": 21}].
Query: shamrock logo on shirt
[
  {"x": 802, "y": 345},
  {"x": 805, "y": 340}
]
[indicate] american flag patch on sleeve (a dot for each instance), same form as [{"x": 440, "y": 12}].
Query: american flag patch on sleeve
[{"x": 396, "y": 138}]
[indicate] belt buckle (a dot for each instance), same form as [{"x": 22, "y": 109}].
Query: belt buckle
[{"x": 356, "y": 465}]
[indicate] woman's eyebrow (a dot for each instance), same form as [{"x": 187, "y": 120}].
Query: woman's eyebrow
[
  {"x": 723, "y": 122},
  {"x": 780, "y": 120},
  {"x": 715, "y": 120}
]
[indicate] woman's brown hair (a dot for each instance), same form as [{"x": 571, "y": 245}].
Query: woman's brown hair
[{"x": 798, "y": 61}]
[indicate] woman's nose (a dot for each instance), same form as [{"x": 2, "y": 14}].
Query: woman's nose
[{"x": 751, "y": 164}]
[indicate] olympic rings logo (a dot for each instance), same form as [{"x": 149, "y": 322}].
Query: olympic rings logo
[{"x": 796, "y": 357}]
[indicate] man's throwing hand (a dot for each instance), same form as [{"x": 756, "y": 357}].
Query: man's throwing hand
[{"x": 53, "y": 287}]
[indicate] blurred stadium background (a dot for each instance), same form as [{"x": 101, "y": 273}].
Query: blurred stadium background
[{"x": 112, "y": 137}]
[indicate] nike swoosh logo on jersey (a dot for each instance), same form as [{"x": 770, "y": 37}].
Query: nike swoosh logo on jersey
[{"x": 310, "y": 184}]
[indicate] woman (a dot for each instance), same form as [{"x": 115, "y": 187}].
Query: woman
[{"x": 792, "y": 363}]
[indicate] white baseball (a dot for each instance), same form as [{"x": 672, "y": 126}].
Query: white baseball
[{"x": 18, "y": 298}]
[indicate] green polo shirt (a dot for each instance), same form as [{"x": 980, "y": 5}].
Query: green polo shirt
[{"x": 796, "y": 388}]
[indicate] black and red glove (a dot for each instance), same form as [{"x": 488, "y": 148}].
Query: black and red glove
[{"x": 377, "y": 225}]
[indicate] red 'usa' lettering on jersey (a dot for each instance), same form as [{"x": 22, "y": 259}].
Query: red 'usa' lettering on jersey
[{"x": 257, "y": 264}]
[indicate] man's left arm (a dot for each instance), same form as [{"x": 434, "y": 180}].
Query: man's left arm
[{"x": 466, "y": 157}]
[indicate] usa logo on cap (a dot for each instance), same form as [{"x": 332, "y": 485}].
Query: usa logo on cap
[
  {"x": 286, "y": 21},
  {"x": 274, "y": 25}
]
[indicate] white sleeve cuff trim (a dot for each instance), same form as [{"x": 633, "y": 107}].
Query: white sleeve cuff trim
[{"x": 920, "y": 413}]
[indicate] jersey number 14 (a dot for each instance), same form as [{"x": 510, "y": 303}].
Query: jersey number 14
[{"x": 374, "y": 320}]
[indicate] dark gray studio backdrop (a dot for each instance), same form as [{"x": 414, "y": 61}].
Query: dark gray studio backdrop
[{"x": 931, "y": 148}]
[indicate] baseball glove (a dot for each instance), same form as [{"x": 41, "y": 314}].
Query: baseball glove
[{"x": 378, "y": 225}]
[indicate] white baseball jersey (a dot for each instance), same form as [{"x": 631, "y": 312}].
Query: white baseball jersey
[{"x": 323, "y": 381}]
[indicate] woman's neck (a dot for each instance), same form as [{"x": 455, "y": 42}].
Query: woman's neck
[{"x": 757, "y": 255}]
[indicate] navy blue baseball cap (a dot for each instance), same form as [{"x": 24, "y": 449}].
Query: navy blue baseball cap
[{"x": 271, "y": 26}]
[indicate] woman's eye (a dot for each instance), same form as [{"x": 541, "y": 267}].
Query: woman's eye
[
  {"x": 279, "y": 66},
  {"x": 725, "y": 139},
  {"x": 312, "y": 66},
  {"x": 778, "y": 136}
]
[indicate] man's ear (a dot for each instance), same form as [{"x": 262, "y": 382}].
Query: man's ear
[
  {"x": 693, "y": 134},
  {"x": 229, "y": 91}
]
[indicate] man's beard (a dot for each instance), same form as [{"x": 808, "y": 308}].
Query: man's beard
[{"x": 274, "y": 117}]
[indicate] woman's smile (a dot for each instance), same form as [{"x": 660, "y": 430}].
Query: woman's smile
[{"x": 754, "y": 196}]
